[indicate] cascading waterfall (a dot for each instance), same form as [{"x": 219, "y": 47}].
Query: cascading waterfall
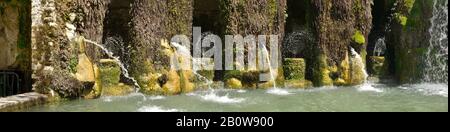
[
  {"x": 117, "y": 60},
  {"x": 436, "y": 70},
  {"x": 212, "y": 95},
  {"x": 367, "y": 86}
]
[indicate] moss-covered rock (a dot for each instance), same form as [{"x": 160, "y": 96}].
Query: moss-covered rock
[
  {"x": 234, "y": 83},
  {"x": 252, "y": 17},
  {"x": 110, "y": 72},
  {"x": 64, "y": 84},
  {"x": 110, "y": 78},
  {"x": 376, "y": 64},
  {"x": 321, "y": 73},
  {"x": 359, "y": 38},
  {"x": 294, "y": 68},
  {"x": 249, "y": 79},
  {"x": 117, "y": 90},
  {"x": 301, "y": 84},
  {"x": 172, "y": 85}
]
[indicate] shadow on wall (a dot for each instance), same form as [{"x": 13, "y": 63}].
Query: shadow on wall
[{"x": 15, "y": 48}]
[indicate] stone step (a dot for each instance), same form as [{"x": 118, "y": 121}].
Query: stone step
[{"x": 21, "y": 101}]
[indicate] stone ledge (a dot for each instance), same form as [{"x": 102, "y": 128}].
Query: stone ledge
[{"x": 21, "y": 101}]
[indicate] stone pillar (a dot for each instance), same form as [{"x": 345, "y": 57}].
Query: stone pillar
[
  {"x": 338, "y": 27},
  {"x": 254, "y": 17},
  {"x": 153, "y": 24}
]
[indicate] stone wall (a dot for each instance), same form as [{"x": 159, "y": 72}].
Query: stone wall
[
  {"x": 338, "y": 26},
  {"x": 63, "y": 64},
  {"x": 323, "y": 32},
  {"x": 15, "y": 34}
]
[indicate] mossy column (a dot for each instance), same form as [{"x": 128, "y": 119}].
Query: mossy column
[
  {"x": 339, "y": 26},
  {"x": 59, "y": 50},
  {"x": 408, "y": 41},
  {"x": 153, "y": 24},
  {"x": 253, "y": 17}
]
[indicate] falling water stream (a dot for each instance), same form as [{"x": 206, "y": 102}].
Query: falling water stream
[
  {"x": 436, "y": 70},
  {"x": 366, "y": 86},
  {"x": 117, "y": 60},
  {"x": 274, "y": 90},
  {"x": 211, "y": 95},
  {"x": 431, "y": 95}
]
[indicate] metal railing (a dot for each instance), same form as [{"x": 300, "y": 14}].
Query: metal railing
[{"x": 9, "y": 83}]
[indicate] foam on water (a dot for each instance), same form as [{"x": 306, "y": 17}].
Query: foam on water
[
  {"x": 156, "y": 109},
  {"x": 431, "y": 89},
  {"x": 157, "y": 97},
  {"x": 367, "y": 87},
  {"x": 278, "y": 91},
  {"x": 241, "y": 91},
  {"x": 213, "y": 97},
  {"x": 128, "y": 96}
]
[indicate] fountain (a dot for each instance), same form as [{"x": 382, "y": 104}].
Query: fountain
[
  {"x": 212, "y": 95},
  {"x": 366, "y": 86},
  {"x": 117, "y": 60},
  {"x": 185, "y": 52},
  {"x": 274, "y": 90},
  {"x": 436, "y": 70}
]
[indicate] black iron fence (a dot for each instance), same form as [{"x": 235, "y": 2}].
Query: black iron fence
[{"x": 10, "y": 83}]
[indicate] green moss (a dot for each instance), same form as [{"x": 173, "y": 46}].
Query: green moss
[
  {"x": 300, "y": 84},
  {"x": 117, "y": 90},
  {"x": 233, "y": 74},
  {"x": 110, "y": 72},
  {"x": 110, "y": 75},
  {"x": 273, "y": 10},
  {"x": 401, "y": 19},
  {"x": 321, "y": 74},
  {"x": 408, "y": 65},
  {"x": 73, "y": 62},
  {"x": 409, "y": 4},
  {"x": 248, "y": 78},
  {"x": 234, "y": 83},
  {"x": 207, "y": 73},
  {"x": 359, "y": 38},
  {"x": 377, "y": 65},
  {"x": 294, "y": 69},
  {"x": 358, "y": 6}
]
